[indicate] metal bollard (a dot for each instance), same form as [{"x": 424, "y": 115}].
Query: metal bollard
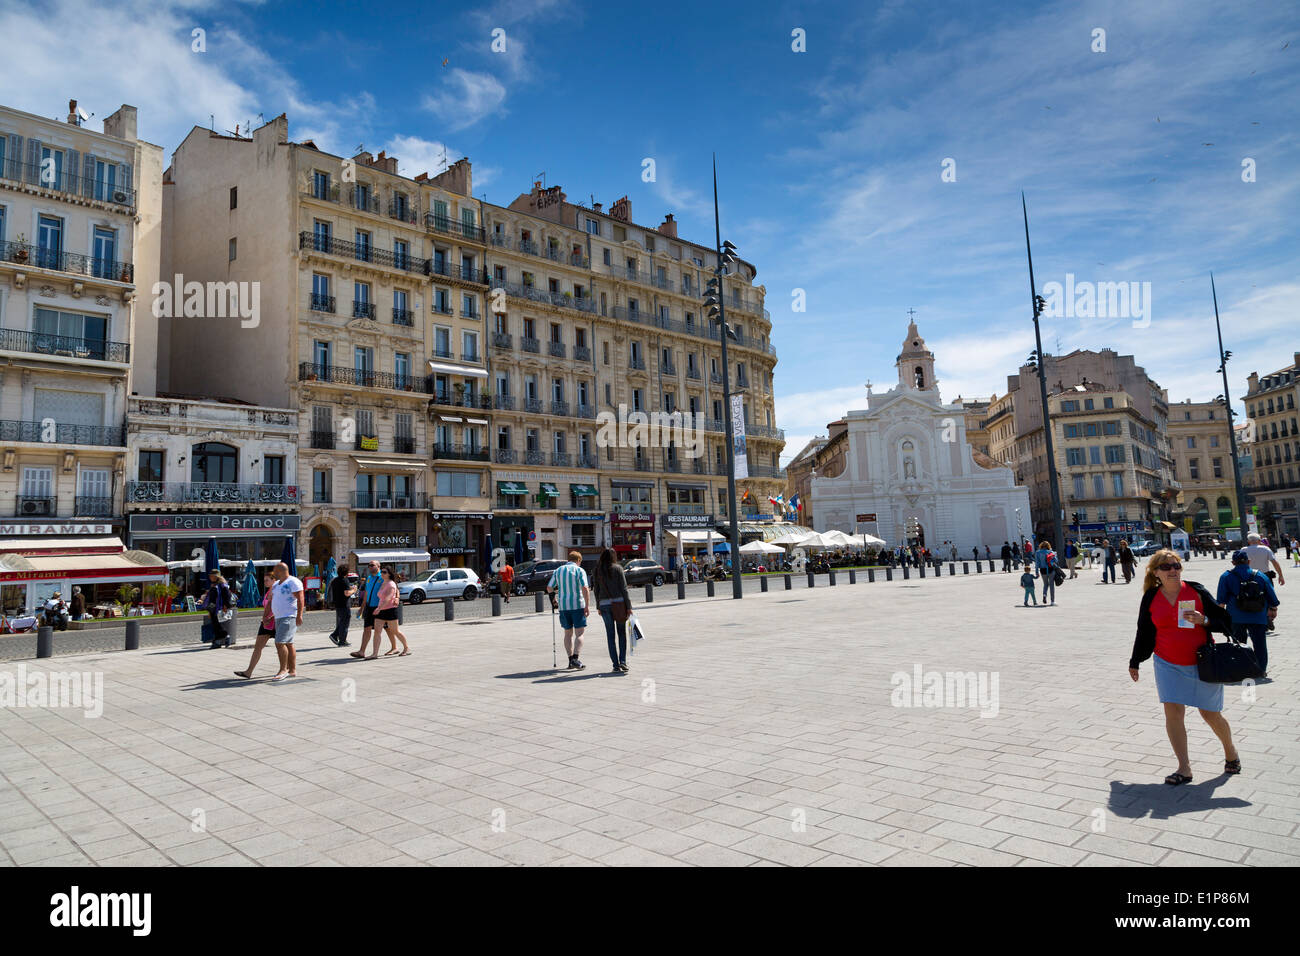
[
  {"x": 649, "y": 593},
  {"x": 889, "y": 574},
  {"x": 812, "y": 582},
  {"x": 853, "y": 576},
  {"x": 762, "y": 583},
  {"x": 681, "y": 590},
  {"x": 832, "y": 577},
  {"x": 907, "y": 573},
  {"x": 922, "y": 570},
  {"x": 708, "y": 587},
  {"x": 132, "y": 635},
  {"x": 979, "y": 568},
  {"x": 449, "y": 609},
  {"x": 788, "y": 583},
  {"x": 537, "y": 596},
  {"x": 871, "y": 575},
  {"x": 965, "y": 567},
  {"x": 45, "y": 641},
  {"x": 496, "y": 605},
  {"x": 952, "y": 569}
]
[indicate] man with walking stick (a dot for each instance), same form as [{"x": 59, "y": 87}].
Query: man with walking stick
[{"x": 569, "y": 585}]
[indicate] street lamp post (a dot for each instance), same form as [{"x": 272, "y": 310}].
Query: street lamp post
[
  {"x": 713, "y": 302},
  {"x": 1227, "y": 404},
  {"x": 1039, "y": 304}
]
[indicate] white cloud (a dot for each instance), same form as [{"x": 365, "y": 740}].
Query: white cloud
[{"x": 466, "y": 97}]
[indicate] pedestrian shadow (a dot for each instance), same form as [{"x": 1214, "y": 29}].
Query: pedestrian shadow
[
  {"x": 528, "y": 675},
  {"x": 1161, "y": 801}
]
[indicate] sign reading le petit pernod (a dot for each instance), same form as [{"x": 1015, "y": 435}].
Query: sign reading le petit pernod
[{"x": 53, "y": 528}]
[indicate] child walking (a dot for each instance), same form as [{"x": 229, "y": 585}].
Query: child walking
[{"x": 1027, "y": 582}]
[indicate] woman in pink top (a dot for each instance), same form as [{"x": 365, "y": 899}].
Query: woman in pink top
[
  {"x": 386, "y": 615},
  {"x": 265, "y": 631}
]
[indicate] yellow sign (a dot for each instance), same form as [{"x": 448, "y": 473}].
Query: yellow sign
[{"x": 369, "y": 444}]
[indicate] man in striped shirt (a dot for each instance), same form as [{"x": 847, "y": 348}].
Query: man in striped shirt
[{"x": 569, "y": 584}]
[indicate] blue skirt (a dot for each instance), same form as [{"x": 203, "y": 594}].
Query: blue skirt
[{"x": 1181, "y": 684}]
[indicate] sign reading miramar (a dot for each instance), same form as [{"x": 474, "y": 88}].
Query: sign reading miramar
[{"x": 63, "y": 527}]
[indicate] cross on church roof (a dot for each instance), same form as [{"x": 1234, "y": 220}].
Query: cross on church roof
[{"x": 911, "y": 314}]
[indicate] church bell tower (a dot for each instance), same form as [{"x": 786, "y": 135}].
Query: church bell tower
[{"x": 916, "y": 362}]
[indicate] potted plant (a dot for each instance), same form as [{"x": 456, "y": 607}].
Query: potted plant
[
  {"x": 460, "y": 393},
  {"x": 20, "y": 253}
]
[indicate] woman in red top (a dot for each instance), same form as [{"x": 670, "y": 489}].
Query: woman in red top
[{"x": 1175, "y": 618}]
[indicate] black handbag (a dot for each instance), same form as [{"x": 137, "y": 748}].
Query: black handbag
[{"x": 1226, "y": 663}]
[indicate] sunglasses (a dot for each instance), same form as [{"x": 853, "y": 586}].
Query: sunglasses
[{"x": 1169, "y": 567}]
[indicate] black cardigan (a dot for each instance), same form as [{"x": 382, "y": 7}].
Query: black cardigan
[{"x": 1144, "y": 644}]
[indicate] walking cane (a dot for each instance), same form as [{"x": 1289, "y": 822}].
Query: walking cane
[{"x": 555, "y": 662}]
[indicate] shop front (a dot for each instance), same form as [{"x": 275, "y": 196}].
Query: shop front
[
  {"x": 34, "y": 566},
  {"x": 687, "y": 536},
  {"x": 394, "y": 537},
  {"x": 457, "y": 539},
  {"x": 180, "y": 540},
  {"x": 516, "y": 533},
  {"x": 631, "y": 535},
  {"x": 584, "y": 532}
]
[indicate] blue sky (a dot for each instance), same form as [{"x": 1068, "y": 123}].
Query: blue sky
[{"x": 830, "y": 159}]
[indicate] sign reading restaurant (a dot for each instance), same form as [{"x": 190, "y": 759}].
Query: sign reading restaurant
[
  {"x": 214, "y": 522},
  {"x": 679, "y": 522},
  {"x": 60, "y": 528}
]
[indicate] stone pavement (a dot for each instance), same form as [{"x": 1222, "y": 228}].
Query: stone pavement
[{"x": 747, "y": 733}]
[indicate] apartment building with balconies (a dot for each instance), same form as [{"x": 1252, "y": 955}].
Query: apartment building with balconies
[
  {"x": 1274, "y": 441},
  {"x": 591, "y": 313},
  {"x": 1202, "y": 453},
  {"x": 79, "y": 236}
]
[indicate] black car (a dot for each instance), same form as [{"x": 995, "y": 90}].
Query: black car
[
  {"x": 534, "y": 575},
  {"x": 644, "y": 571}
]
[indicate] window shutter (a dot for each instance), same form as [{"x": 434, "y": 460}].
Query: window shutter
[
  {"x": 70, "y": 172},
  {"x": 33, "y": 161},
  {"x": 14, "y": 156},
  {"x": 124, "y": 181},
  {"x": 88, "y": 175}
]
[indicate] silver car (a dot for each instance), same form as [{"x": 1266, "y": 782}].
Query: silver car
[{"x": 441, "y": 583}]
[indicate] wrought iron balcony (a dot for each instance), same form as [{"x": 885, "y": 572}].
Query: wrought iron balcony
[
  {"x": 24, "y": 253},
  {"x": 39, "y": 343},
  {"x": 581, "y": 353},
  {"x": 390, "y": 501},
  {"x": 462, "y": 400},
  {"x": 579, "y": 260},
  {"x": 504, "y": 402},
  {"x": 504, "y": 456},
  {"x": 442, "y": 352},
  {"x": 402, "y": 209},
  {"x": 588, "y": 461},
  {"x": 367, "y": 378},
  {"x": 715, "y": 425},
  {"x": 363, "y": 310},
  {"x": 673, "y": 464},
  {"x": 528, "y": 246},
  {"x": 445, "y": 224},
  {"x": 765, "y": 471},
  {"x": 362, "y": 252},
  {"x": 559, "y": 408},
  {"x": 586, "y": 411},
  {"x": 641, "y": 464},
  {"x": 499, "y": 239},
  {"x": 209, "y": 492},
  {"x": 88, "y": 506},
  {"x": 699, "y": 467},
  {"x": 322, "y": 303},
  {"x": 529, "y": 344},
  {"x": 57, "y": 180},
  {"x": 322, "y": 439},
  {"x": 58, "y": 434},
  {"x": 404, "y": 444},
  {"x": 534, "y": 405},
  {"x": 661, "y": 282},
  {"x": 443, "y": 308},
  {"x": 472, "y": 314},
  {"x": 628, "y": 315},
  {"x": 561, "y": 458},
  {"x": 764, "y": 431},
  {"x": 502, "y": 340},
  {"x": 715, "y": 378},
  {"x": 555, "y": 254},
  {"x": 692, "y": 372},
  {"x": 636, "y": 363},
  {"x": 458, "y": 451},
  {"x": 534, "y": 457},
  {"x": 668, "y": 368},
  {"x": 403, "y": 317},
  {"x": 363, "y": 199},
  {"x": 470, "y": 357},
  {"x": 470, "y": 274},
  {"x": 556, "y": 349}
]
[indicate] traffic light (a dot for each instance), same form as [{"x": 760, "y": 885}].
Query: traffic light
[{"x": 1040, "y": 305}]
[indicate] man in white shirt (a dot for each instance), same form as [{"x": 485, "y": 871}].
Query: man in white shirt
[
  {"x": 1261, "y": 556},
  {"x": 286, "y": 608}
]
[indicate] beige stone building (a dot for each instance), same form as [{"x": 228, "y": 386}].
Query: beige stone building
[
  {"x": 1202, "y": 453},
  {"x": 1275, "y": 449}
]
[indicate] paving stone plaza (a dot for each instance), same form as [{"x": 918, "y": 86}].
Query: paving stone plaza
[{"x": 780, "y": 729}]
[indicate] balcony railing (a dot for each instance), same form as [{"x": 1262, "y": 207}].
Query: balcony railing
[
  {"x": 586, "y": 411},
  {"x": 561, "y": 458},
  {"x": 445, "y": 224},
  {"x": 404, "y": 444},
  {"x": 322, "y": 303},
  {"x": 628, "y": 315},
  {"x": 363, "y": 310},
  {"x": 715, "y": 378},
  {"x": 111, "y": 436},
  {"x": 26, "y": 506},
  {"x": 530, "y": 344},
  {"x": 641, "y": 464},
  {"x": 534, "y": 405},
  {"x": 556, "y": 349},
  {"x": 668, "y": 368},
  {"x": 528, "y": 246},
  {"x": 89, "y": 506},
  {"x": 559, "y": 408},
  {"x": 403, "y": 210},
  {"x": 472, "y": 314},
  {"x": 588, "y": 461},
  {"x": 499, "y": 239},
  {"x": 581, "y": 353},
  {"x": 403, "y": 317},
  {"x": 390, "y": 501},
  {"x": 40, "y": 343},
  {"x": 441, "y": 352},
  {"x": 209, "y": 492},
  {"x": 470, "y": 357},
  {"x": 699, "y": 467},
  {"x": 534, "y": 457},
  {"x": 367, "y": 378},
  {"x": 458, "y": 451},
  {"x": 68, "y": 182},
  {"x": 636, "y": 363},
  {"x": 364, "y": 200},
  {"x": 454, "y": 400},
  {"x": 692, "y": 372},
  {"x": 504, "y": 456},
  {"x": 322, "y": 439},
  {"x": 504, "y": 402},
  {"x": 764, "y": 431},
  {"x": 765, "y": 471},
  {"x": 502, "y": 340},
  {"x": 673, "y": 464},
  {"x": 362, "y": 252}
]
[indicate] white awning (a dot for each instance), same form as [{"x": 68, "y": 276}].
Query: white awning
[
  {"x": 450, "y": 369},
  {"x": 450, "y": 418},
  {"x": 694, "y": 536},
  {"x": 400, "y": 465},
  {"x": 476, "y": 421},
  {"x": 37, "y": 543},
  {"x": 416, "y": 557}
]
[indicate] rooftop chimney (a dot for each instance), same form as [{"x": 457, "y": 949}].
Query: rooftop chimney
[
  {"x": 72, "y": 113},
  {"x": 621, "y": 209},
  {"x": 456, "y": 178},
  {"x": 385, "y": 162},
  {"x": 668, "y": 227},
  {"x": 598, "y": 206}
]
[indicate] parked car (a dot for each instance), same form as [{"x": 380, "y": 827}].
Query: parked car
[
  {"x": 534, "y": 575},
  {"x": 442, "y": 583},
  {"x": 644, "y": 571},
  {"x": 1142, "y": 549}
]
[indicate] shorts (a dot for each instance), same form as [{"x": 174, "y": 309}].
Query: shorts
[
  {"x": 285, "y": 629},
  {"x": 367, "y": 615},
  {"x": 572, "y": 618},
  {"x": 389, "y": 614},
  {"x": 264, "y": 631}
]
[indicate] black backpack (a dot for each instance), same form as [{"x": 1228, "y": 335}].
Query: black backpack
[{"x": 1251, "y": 597}]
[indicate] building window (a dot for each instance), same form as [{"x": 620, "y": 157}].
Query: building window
[
  {"x": 1217, "y": 463},
  {"x": 234, "y": 249},
  {"x": 1117, "y": 484},
  {"x": 214, "y": 462},
  {"x": 320, "y": 482},
  {"x": 151, "y": 466},
  {"x": 234, "y": 197}
]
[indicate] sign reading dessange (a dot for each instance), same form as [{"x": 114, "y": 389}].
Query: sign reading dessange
[{"x": 214, "y": 522}]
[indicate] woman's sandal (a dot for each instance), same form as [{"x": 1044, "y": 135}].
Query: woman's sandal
[
  {"x": 1232, "y": 766},
  {"x": 390, "y": 653},
  {"x": 1175, "y": 778},
  {"x": 244, "y": 674},
  {"x": 405, "y": 653},
  {"x": 358, "y": 655}
]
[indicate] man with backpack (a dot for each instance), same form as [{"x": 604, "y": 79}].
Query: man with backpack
[
  {"x": 1045, "y": 562},
  {"x": 1251, "y": 602}
]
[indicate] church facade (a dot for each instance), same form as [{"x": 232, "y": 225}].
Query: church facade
[{"x": 907, "y": 460}]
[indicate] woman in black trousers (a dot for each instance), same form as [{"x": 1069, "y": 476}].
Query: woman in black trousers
[{"x": 610, "y": 585}]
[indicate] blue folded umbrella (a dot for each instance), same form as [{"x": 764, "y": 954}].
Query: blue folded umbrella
[
  {"x": 289, "y": 555},
  {"x": 251, "y": 596}
]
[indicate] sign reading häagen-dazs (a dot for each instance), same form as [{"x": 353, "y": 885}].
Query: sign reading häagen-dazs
[
  {"x": 214, "y": 522},
  {"x": 53, "y": 527}
]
